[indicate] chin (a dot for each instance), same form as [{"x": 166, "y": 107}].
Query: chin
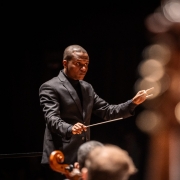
[{"x": 80, "y": 78}]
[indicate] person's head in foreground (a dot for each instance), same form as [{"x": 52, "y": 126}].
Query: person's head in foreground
[
  {"x": 84, "y": 150},
  {"x": 108, "y": 163}
]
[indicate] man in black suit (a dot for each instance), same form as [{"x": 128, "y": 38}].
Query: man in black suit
[{"x": 68, "y": 103}]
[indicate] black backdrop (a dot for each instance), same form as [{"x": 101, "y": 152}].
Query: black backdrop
[{"x": 113, "y": 33}]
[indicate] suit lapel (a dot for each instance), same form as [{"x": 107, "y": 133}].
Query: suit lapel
[{"x": 71, "y": 90}]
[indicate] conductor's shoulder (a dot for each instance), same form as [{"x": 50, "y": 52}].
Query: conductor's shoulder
[{"x": 52, "y": 82}]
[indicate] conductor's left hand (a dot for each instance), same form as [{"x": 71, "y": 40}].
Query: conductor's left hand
[
  {"x": 142, "y": 95},
  {"x": 78, "y": 128}
]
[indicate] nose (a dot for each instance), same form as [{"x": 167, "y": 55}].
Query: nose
[{"x": 83, "y": 68}]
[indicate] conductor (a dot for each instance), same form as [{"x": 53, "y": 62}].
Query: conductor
[{"x": 68, "y": 102}]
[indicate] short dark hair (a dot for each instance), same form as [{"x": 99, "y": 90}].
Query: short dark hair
[
  {"x": 84, "y": 150},
  {"x": 68, "y": 52}
]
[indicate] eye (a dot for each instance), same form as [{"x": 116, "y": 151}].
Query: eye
[{"x": 77, "y": 64}]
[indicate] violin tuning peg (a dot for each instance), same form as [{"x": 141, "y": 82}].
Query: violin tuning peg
[{"x": 70, "y": 167}]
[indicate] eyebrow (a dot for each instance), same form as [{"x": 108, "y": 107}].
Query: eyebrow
[{"x": 80, "y": 60}]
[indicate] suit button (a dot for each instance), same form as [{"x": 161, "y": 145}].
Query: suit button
[{"x": 83, "y": 138}]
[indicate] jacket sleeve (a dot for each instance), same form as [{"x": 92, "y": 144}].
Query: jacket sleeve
[
  {"x": 51, "y": 109},
  {"x": 107, "y": 111}
]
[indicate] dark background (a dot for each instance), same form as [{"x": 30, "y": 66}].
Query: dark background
[{"x": 113, "y": 33}]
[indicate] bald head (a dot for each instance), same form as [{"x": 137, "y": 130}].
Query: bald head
[
  {"x": 75, "y": 51},
  {"x": 109, "y": 162}
]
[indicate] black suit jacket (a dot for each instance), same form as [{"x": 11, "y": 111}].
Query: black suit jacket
[{"x": 62, "y": 109}]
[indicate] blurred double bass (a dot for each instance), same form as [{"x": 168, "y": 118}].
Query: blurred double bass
[{"x": 56, "y": 159}]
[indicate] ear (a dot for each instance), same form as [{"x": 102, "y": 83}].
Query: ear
[
  {"x": 65, "y": 63},
  {"x": 84, "y": 173},
  {"x": 76, "y": 165}
]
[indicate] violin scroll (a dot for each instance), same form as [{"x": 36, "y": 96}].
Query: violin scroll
[{"x": 56, "y": 159}]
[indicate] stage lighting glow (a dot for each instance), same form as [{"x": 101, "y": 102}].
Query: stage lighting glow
[
  {"x": 177, "y": 112},
  {"x": 148, "y": 121},
  {"x": 151, "y": 69},
  {"x": 160, "y": 52},
  {"x": 165, "y": 82},
  {"x": 157, "y": 23},
  {"x": 172, "y": 11}
]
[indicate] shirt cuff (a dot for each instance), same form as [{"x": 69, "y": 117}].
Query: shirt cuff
[
  {"x": 69, "y": 132},
  {"x": 132, "y": 107}
]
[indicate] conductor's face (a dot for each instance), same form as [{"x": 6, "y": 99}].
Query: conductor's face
[{"x": 77, "y": 67}]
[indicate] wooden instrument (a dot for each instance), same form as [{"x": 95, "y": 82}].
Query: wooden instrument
[{"x": 56, "y": 160}]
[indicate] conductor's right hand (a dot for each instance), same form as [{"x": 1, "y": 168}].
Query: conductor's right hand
[{"x": 78, "y": 128}]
